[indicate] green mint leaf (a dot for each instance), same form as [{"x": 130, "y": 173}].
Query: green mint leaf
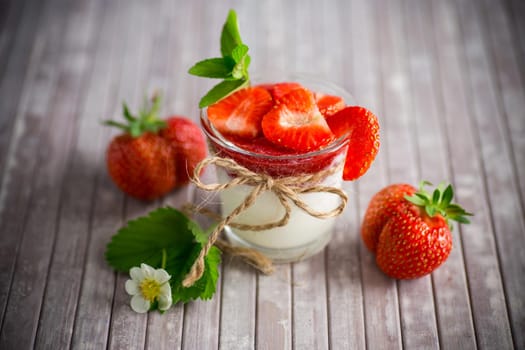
[
  {"x": 239, "y": 52},
  {"x": 221, "y": 90},
  {"x": 247, "y": 61},
  {"x": 213, "y": 68},
  {"x": 230, "y": 36},
  {"x": 142, "y": 240}
]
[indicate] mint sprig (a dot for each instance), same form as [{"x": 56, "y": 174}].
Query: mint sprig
[
  {"x": 166, "y": 238},
  {"x": 232, "y": 67}
]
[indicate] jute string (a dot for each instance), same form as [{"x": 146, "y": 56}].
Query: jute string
[{"x": 286, "y": 189}]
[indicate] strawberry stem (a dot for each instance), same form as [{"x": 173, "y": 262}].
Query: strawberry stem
[
  {"x": 439, "y": 202},
  {"x": 147, "y": 119}
]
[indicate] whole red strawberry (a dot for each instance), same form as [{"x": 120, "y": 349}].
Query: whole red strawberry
[
  {"x": 140, "y": 161},
  {"x": 188, "y": 143},
  {"x": 408, "y": 230}
]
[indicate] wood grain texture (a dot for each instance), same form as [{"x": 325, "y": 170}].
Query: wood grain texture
[
  {"x": 65, "y": 270},
  {"x": 32, "y": 266},
  {"x": 446, "y": 79},
  {"x": 496, "y": 153},
  {"x": 451, "y": 295},
  {"x": 486, "y": 290}
]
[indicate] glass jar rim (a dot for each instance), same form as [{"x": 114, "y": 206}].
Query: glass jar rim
[{"x": 305, "y": 79}]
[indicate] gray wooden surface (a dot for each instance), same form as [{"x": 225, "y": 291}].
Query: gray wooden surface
[{"x": 445, "y": 77}]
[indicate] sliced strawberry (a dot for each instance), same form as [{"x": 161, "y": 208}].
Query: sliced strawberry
[
  {"x": 280, "y": 89},
  {"x": 362, "y": 129},
  {"x": 240, "y": 114},
  {"x": 296, "y": 123},
  {"x": 329, "y": 104}
]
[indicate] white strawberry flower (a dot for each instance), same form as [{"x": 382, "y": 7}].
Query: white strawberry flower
[{"x": 148, "y": 285}]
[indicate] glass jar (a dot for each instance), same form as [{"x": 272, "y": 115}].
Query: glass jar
[{"x": 304, "y": 234}]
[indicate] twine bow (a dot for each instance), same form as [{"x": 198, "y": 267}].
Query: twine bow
[{"x": 286, "y": 189}]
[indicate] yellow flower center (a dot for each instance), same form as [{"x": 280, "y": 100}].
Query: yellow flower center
[{"x": 150, "y": 289}]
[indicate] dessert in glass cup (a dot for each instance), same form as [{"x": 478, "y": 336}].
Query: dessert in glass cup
[
  {"x": 246, "y": 144},
  {"x": 282, "y": 147}
]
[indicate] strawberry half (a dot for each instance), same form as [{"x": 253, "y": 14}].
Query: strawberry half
[
  {"x": 329, "y": 104},
  {"x": 296, "y": 123},
  {"x": 278, "y": 90},
  {"x": 240, "y": 114},
  {"x": 362, "y": 129}
]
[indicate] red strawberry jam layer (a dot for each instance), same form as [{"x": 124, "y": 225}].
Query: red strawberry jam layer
[
  {"x": 262, "y": 156},
  {"x": 286, "y": 129}
]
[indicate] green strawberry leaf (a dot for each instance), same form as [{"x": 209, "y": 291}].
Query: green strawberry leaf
[
  {"x": 221, "y": 90},
  {"x": 205, "y": 286},
  {"x": 230, "y": 36},
  {"x": 144, "y": 238},
  {"x": 213, "y": 68},
  {"x": 167, "y": 239}
]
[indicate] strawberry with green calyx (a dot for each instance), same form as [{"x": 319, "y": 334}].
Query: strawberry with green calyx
[
  {"x": 147, "y": 120},
  {"x": 140, "y": 161},
  {"x": 409, "y": 229}
]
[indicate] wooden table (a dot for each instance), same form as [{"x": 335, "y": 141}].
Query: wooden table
[{"x": 446, "y": 78}]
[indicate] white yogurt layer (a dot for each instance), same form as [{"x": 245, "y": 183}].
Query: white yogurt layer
[{"x": 301, "y": 230}]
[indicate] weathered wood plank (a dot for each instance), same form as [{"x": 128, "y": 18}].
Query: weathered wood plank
[
  {"x": 344, "y": 284},
  {"x": 507, "y": 56},
  {"x": 74, "y": 223},
  {"x": 509, "y": 226},
  {"x": 274, "y": 316},
  {"x": 382, "y": 328},
  {"x": 10, "y": 16},
  {"x": 13, "y": 73},
  {"x": 515, "y": 12},
  {"x": 309, "y": 309},
  {"x": 418, "y": 322},
  {"x": 483, "y": 272},
  {"x": 31, "y": 270},
  {"x": 452, "y": 304},
  {"x": 20, "y": 161},
  {"x": 15, "y": 182},
  {"x": 94, "y": 319}
]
